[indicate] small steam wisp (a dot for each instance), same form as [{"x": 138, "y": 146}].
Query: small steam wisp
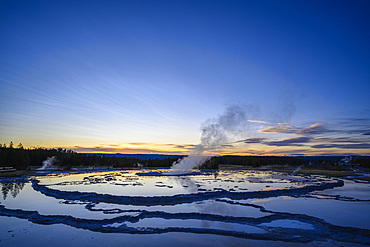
[
  {"x": 297, "y": 169},
  {"x": 215, "y": 133},
  {"x": 48, "y": 163}
]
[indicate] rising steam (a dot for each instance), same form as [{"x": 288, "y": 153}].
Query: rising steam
[
  {"x": 48, "y": 163},
  {"x": 216, "y": 132}
]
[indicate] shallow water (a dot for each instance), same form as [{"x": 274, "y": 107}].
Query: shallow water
[{"x": 240, "y": 207}]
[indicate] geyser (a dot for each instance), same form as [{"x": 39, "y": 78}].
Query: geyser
[{"x": 216, "y": 132}]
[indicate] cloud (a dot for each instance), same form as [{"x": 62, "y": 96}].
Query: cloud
[
  {"x": 253, "y": 140},
  {"x": 344, "y": 139},
  {"x": 331, "y": 134},
  {"x": 132, "y": 148},
  {"x": 289, "y": 152},
  {"x": 343, "y": 146},
  {"x": 170, "y": 145},
  {"x": 284, "y": 128},
  {"x": 258, "y": 121},
  {"x": 286, "y": 152},
  {"x": 281, "y": 128},
  {"x": 138, "y": 144},
  {"x": 115, "y": 150},
  {"x": 314, "y": 129},
  {"x": 292, "y": 141},
  {"x": 227, "y": 146},
  {"x": 354, "y": 125}
]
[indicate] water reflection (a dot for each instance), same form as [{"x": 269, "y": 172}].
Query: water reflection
[
  {"x": 228, "y": 203},
  {"x": 186, "y": 182},
  {"x": 13, "y": 188}
]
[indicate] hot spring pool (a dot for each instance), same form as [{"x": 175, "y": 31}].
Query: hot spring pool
[{"x": 208, "y": 208}]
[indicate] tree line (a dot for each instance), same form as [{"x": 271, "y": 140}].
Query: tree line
[
  {"x": 364, "y": 162},
  {"x": 256, "y": 161},
  {"x": 21, "y": 159}
]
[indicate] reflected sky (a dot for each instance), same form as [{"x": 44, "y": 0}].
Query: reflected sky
[
  {"x": 128, "y": 183},
  {"x": 237, "y": 203}
]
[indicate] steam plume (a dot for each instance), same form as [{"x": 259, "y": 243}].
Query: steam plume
[
  {"x": 48, "y": 162},
  {"x": 216, "y": 132}
]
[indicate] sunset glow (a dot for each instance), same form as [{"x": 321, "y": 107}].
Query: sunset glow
[{"x": 148, "y": 76}]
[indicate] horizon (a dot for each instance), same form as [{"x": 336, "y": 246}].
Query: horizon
[
  {"x": 271, "y": 78},
  {"x": 171, "y": 154}
]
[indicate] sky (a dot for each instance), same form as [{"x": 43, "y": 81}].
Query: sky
[{"x": 147, "y": 76}]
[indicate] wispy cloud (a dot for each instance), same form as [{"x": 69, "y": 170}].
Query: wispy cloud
[
  {"x": 285, "y": 128},
  {"x": 314, "y": 129},
  {"x": 258, "y": 121},
  {"x": 344, "y": 146},
  {"x": 253, "y": 140},
  {"x": 137, "y": 144},
  {"x": 280, "y": 128},
  {"x": 322, "y": 128},
  {"x": 130, "y": 148},
  {"x": 292, "y": 141},
  {"x": 334, "y": 134},
  {"x": 345, "y": 139},
  {"x": 227, "y": 146},
  {"x": 108, "y": 149}
]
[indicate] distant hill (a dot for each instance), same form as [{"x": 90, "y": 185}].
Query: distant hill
[{"x": 139, "y": 156}]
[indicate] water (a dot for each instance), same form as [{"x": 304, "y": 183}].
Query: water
[{"x": 225, "y": 207}]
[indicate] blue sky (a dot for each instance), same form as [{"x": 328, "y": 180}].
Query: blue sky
[{"x": 144, "y": 76}]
